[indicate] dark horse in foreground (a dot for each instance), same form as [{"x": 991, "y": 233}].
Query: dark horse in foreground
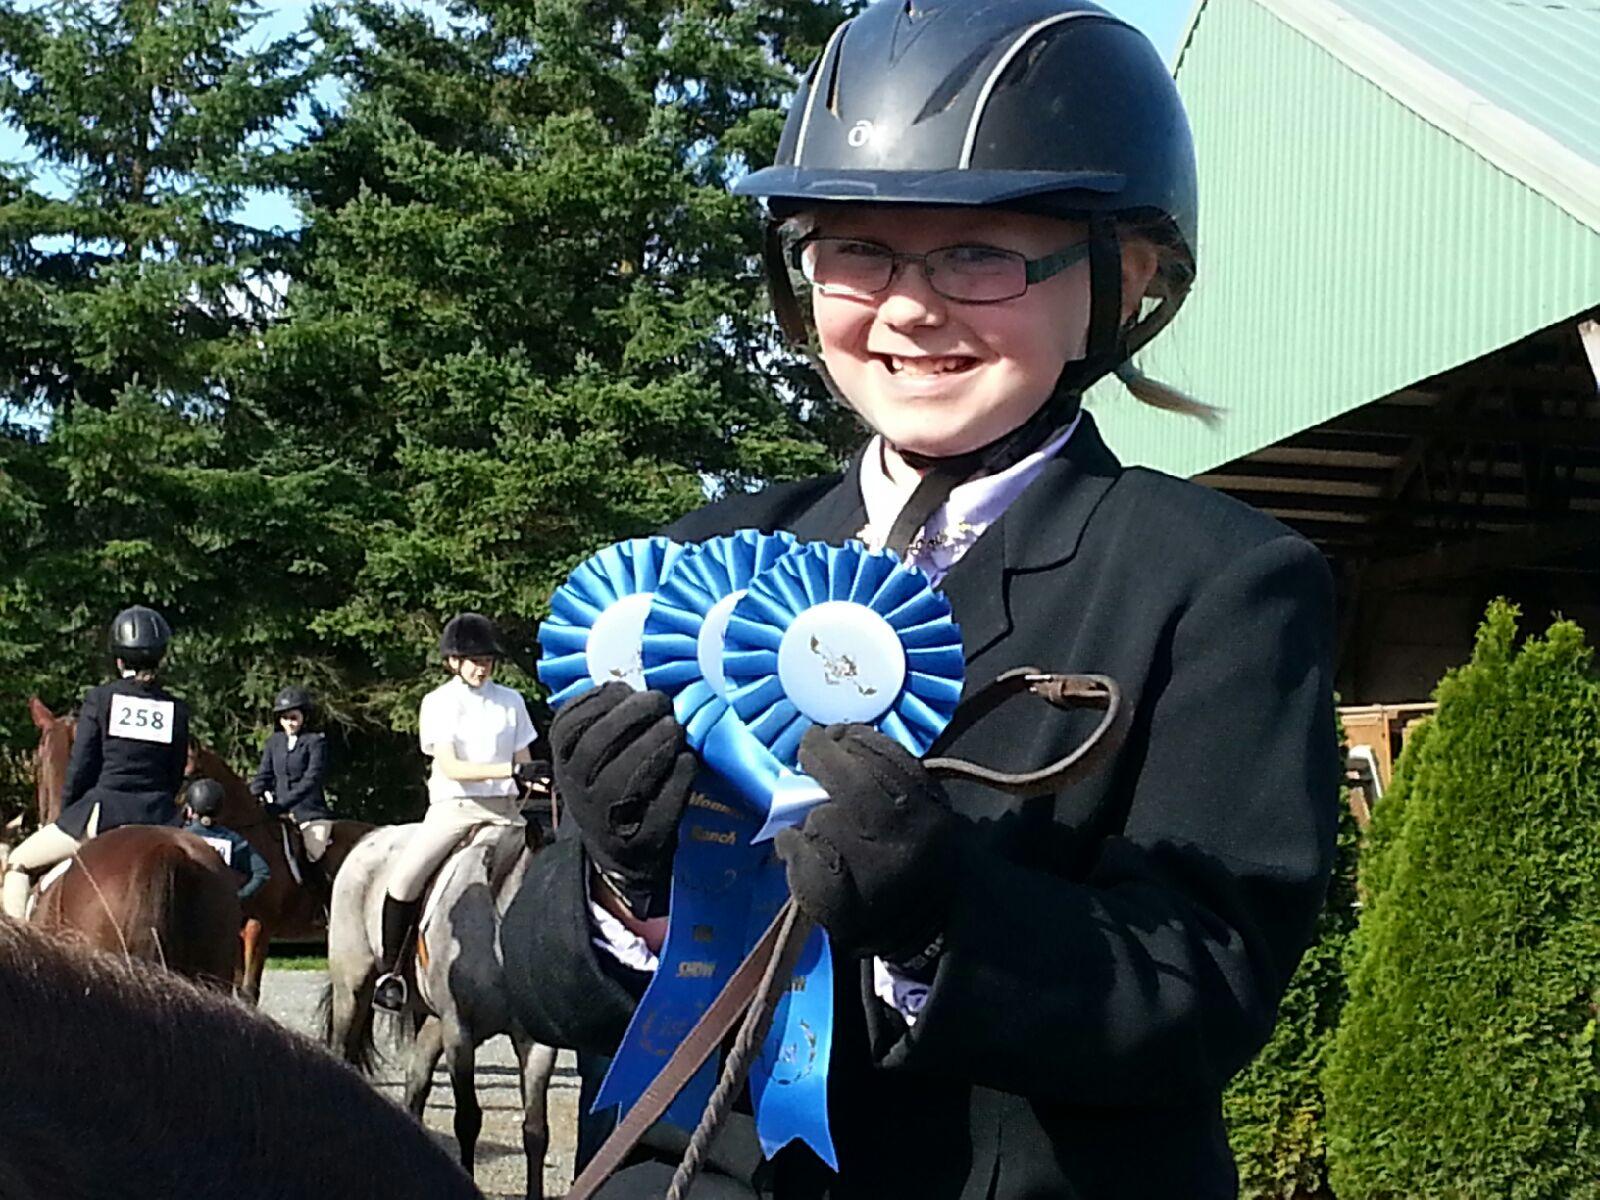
[
  {"x": 151, "y": 893},
  {"x": 116, "y": 1082}
]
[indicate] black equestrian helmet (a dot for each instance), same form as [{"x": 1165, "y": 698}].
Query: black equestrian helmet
[
  {"x": 1052, "y": 107},
  {"x": 204, "y": 797},
  {"x": 139, "y": 636},
  {"x": 294, "y": 697},
  {"x": 470, "y": 635}
]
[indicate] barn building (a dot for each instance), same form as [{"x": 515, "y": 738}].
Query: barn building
[{"x": 1397, "y": 308}]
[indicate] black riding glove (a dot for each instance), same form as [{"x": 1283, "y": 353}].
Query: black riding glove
[
  {"x": 531, "y": 775},
  {"x": 624, "y": 772},
  {"x": 877, "y": 865}
]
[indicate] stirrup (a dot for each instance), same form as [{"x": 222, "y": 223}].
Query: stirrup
[{"x": 389, "y": 993}]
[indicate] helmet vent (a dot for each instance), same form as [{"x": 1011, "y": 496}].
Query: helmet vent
[
  {"x": 1022, "y": 66},
  {"x": 952, "y": 85},
  {"x": 832, "y": 102}
]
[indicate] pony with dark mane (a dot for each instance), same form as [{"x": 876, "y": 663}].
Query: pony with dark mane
[
  {"x": 152, "y": 893},
  {"x": 289, "y": 906},
  {"x": 139, "y": 1086}
]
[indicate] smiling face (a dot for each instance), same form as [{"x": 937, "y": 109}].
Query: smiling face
[
  {"x": 940, "y": 377},
  {"x": 291, "y": 721}
]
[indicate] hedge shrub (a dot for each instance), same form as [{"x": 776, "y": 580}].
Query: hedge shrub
[
  {"x": 1465, "y": 1066},
  {"x": 1274, "y": 1109}
]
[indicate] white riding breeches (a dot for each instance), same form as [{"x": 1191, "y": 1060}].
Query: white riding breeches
[
  {"x": 315, "y": 835},
  {"x": 38, "y": 852},
  {"x": 446, "y": 826}
]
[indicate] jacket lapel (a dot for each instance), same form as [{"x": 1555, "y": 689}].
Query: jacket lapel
[
  {"x": 839, "y": 514},
  {"x": 1042, "y": 528}
]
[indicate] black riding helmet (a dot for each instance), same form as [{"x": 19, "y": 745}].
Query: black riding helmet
[
  {"x": 470, "y": 635},
  {"x": 1052, "y": 107},
  {"x": 293, "y": 697},
  {"x": 204, "y": 797},
  {"x": 139, "y": 636}
]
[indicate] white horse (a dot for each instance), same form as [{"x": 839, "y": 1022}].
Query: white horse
[{"x": 460, "y": 998}]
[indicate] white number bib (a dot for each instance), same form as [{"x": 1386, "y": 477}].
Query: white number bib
[
  {"x": 141, "y": 719},
  {"x": 222, "y": 846}
]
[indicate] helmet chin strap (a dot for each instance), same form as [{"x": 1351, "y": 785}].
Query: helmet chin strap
[{"x": 942, "y": 474}]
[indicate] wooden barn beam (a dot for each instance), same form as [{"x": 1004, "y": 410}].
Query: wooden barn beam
[
  {"x": 1500, "y": 551},
  {"x": 1405, "y": 422}
]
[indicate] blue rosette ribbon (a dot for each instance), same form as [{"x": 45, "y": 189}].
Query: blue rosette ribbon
[
  {"x": 835, "y": 635},
  {"x": 593, "y": 633},
  {"x": 885, "y": 640}
]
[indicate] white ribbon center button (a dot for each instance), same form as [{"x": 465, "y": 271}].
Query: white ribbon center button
[
  {"x": 614, "y": 650},
  {"x": 841, "y": 663}
]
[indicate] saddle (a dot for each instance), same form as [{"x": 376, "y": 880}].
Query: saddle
[{"x": 498, "y": 846}]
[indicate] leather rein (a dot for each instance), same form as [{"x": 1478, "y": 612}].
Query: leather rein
[{"x": 750, "y": 997}]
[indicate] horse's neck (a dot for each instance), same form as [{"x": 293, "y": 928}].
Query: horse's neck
[{"x": 239, "y": 807}]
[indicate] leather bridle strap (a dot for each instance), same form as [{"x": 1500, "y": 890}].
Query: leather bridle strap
[
  {"x": 1060, "y": 691},
  {"x": 698, "y": 1045}
]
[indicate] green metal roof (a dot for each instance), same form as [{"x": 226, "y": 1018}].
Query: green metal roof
[
  {"x": 1348, "y": 247},
  {"x": 1537, "y": 59}
]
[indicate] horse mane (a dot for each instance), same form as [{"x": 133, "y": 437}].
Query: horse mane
[
  {"x": 50, "y": 759},
  {"x": 124, "y": 1082},
  {"x": 154, "y": 893}
]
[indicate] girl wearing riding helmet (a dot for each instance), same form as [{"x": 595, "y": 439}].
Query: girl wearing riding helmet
[
  {"x": 293, "y": 762},
  {"x": 988, "y": 207},
  {"x": 478, "y": 733},
  {"x": 128, "y": 756},
  {"x": 202, "y": 801}
]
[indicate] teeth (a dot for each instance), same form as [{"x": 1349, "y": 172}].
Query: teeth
[{"x": 942, "y": 365}]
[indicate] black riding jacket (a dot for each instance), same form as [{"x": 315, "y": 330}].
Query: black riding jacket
[
  {"x": 1116, "y": 952},
  {"x": 128, "y": 756},
  {"x": 294, "y": 777}
]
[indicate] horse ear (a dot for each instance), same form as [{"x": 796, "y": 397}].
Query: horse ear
[{"x": 42, "y": 716}]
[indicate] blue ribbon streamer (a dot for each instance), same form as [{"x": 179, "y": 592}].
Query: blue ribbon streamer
[{"x": 725, "y": 888}]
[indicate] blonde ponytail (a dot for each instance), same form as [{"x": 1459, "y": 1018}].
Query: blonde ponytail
[{"x": 1166, "y": 397}]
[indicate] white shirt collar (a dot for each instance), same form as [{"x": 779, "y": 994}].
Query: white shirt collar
[{"x": 971, "y": 508}]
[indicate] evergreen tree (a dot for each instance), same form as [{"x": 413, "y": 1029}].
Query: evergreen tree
[
  {"x": 530, "y": 307},
  {"x": 1466, "y": 1064},
  {"x": 524, "y": 319},
  {"x": 1275, "y": 1109},
  {"x": 132, "y": 299}
]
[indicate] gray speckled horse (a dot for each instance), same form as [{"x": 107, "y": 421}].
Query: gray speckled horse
[{"x": 459, "y": 1000}]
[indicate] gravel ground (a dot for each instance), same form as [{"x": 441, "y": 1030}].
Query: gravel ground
[{"x": 290, "y": 997}]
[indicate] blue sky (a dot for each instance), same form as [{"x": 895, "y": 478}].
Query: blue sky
[{"x": 1162, "y": 21}]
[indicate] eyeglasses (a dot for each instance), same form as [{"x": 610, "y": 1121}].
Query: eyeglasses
[{"x": 839, "y": 266}]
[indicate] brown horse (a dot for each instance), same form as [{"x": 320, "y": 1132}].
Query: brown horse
[
  {"x": 284, "y": 908},
  {"x": 50, "y": 759},
  {"x": 152, "y": 893},
  {"x": 135, "y": 1084}
]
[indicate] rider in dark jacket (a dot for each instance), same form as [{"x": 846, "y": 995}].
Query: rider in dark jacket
[
  {"x": 992, "y": 206},
  {"x": 128, "y": 755},
  {"x": 293, "y": 761},
  {"x": 202, "y": 802}
]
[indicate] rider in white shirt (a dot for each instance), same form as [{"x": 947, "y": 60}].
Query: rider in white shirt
[{"x": 478, "y": 733}]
